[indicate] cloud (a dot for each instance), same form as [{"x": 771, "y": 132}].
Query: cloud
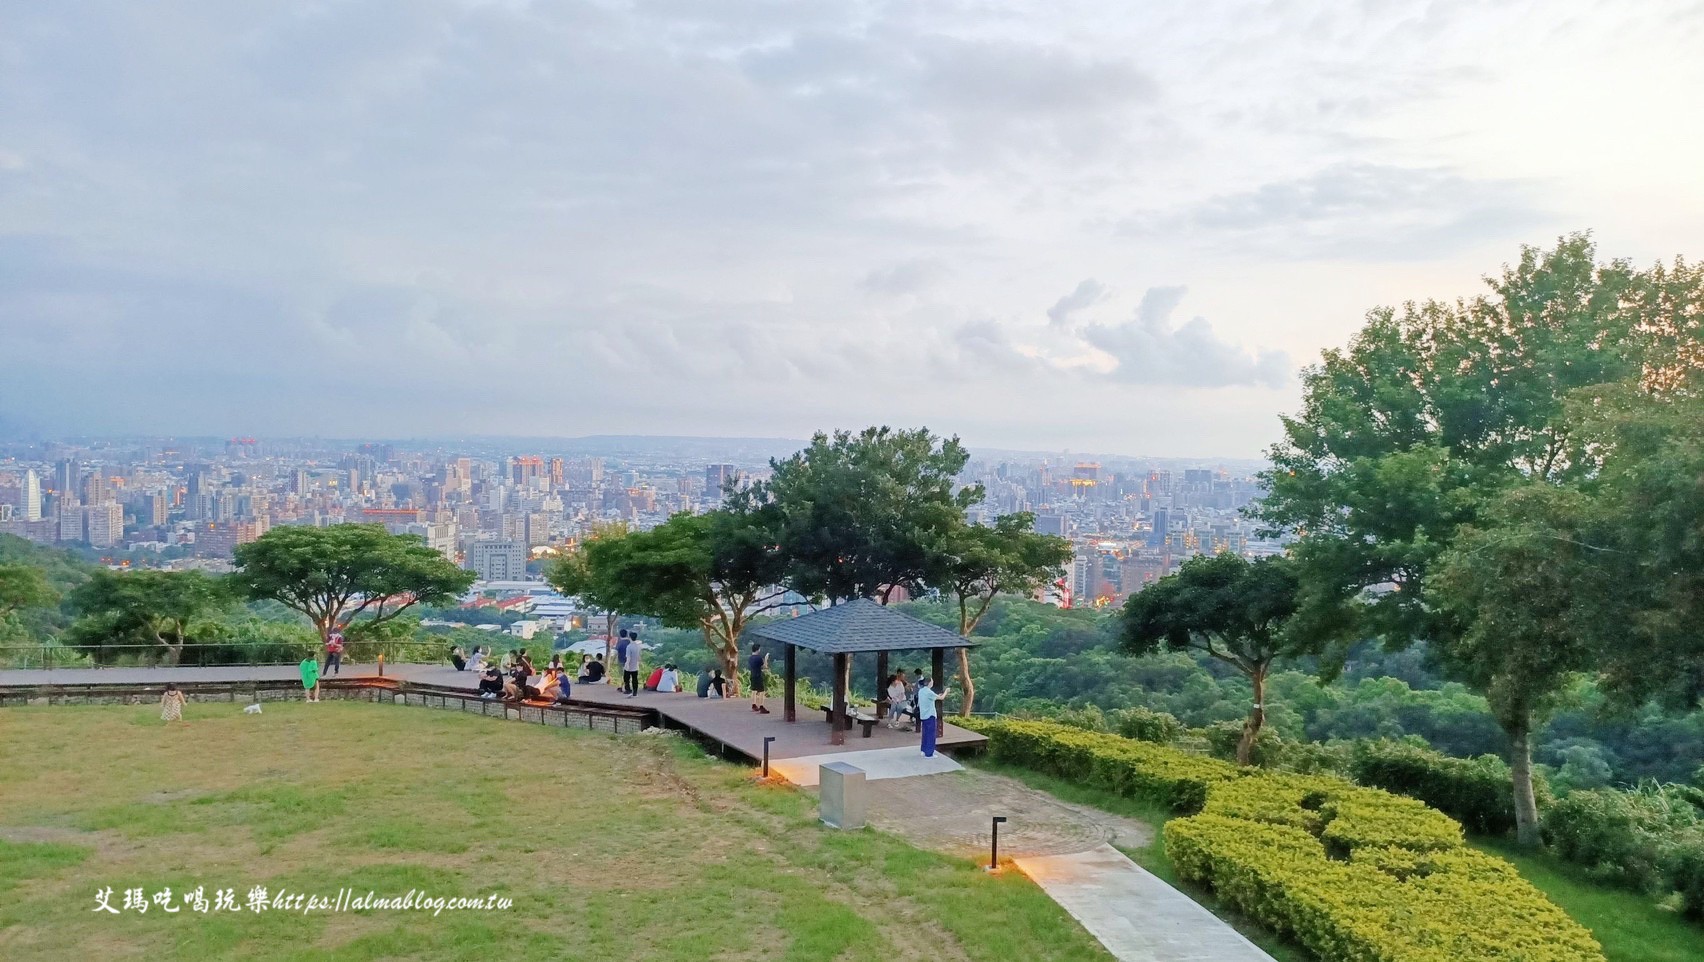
[
  {"x": 1360, "y": 211},
  {"x": 1148, "y": 350},
  {"x": 1087, "y": 293},
  {"x": 907, "y": 277}
]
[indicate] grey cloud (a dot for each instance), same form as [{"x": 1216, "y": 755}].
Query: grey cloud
[
  {"x": 1148, "y": 350},
  {"x": 1087, "y": 293},
  {"x": 1357, "y": 211},
  {"x": 907, "y": 277}
]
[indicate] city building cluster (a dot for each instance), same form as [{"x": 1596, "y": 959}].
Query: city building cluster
[{"x": 504, "y": 514}]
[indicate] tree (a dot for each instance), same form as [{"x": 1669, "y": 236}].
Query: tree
[
  {"x": 1522, "y": 599},
  {"x": 975, "y": 564},
  {"x": 861, "y": 515},
  {"x": 336, "y": 575},
  {"x": 154, "y": 605},
  {"x": 713, "y": 572},
  {"x": 1407, "y": 438},
  {"x": 24, "y": 586},
  {"x": 1233, "y": 609}
]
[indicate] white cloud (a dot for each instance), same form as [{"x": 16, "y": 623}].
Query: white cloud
[{"x": 1149, "y": 350}]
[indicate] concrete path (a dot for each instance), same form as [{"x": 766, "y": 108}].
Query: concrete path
[
  {"x": 878, "y": 763},
  {"x": 1135, "y": 915}
]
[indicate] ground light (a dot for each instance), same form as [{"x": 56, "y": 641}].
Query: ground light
[
  {"x": 994, "y": 844},
  {"x": 766, "y": 740}
]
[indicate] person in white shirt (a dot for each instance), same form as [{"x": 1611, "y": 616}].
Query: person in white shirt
[
  {"x": 899, "y": 701},
  {"x": 670, "y": 682},
  {"x": 928, "y": 715}
]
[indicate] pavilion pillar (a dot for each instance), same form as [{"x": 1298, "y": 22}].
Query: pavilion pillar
[
  {"x": 837, "y": 730},
  {"x": 788, "y": 712},
  {"x": 938, "y": 669},
  {"x": 881, "y": 684}
]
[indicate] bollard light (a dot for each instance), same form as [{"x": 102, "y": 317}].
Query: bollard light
[
  {"x": 994, "y": 850},
  {"x": 766, "y": 740}
]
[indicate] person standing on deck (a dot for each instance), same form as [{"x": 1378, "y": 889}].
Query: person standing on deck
[
  {"x": 334, "y": 651},
  {"x": 621, "y": 658},
  {"x": 630, "y": 666},
  {"x": 759, "y": 665},
  {"x": 928, "y": 715}
]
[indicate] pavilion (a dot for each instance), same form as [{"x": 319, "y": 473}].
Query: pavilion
[{"x": 852, "y": 628}]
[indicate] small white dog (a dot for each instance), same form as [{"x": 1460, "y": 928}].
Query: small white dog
[{"x": 253, "y": 709}]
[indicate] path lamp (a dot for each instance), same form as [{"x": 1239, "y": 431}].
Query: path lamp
[
  {"x": 766, "y": 740},
  {"x": 994, "y": 850}
]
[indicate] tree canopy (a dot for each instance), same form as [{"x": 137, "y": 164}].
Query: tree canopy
[
  {"x": 353, "y": 575},
  {"x": 116, "y": 607},
  {"x": 24, "y": 586},
  {"x": 1228, "y": 607}
]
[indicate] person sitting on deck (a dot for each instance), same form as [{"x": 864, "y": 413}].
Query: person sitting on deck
[
  {"x": 523, "y": 661},
  {"x": 899, "y": 703},
  {"x": 490, "y": 682},
  {"x": 563, "y": 688},
  {"x": 457, "y": 659},
  {"x": 521, "y": 682},
  {"x": 476, "y": 661},
  {"x": 718, "y": 684},
  {"x": 704, "y": 682},
  {"x": 554, "y": 678},
  {"x": 670, "y": 682},
  {"x": 653, "y": 680},
  {"x": 592, "y": 672}
]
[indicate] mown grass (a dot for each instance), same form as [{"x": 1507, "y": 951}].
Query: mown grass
[
  {"x": 1630, "y": 926},
  {"x": 610, "y": 848}
]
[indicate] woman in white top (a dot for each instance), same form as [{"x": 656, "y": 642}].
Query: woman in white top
[
  {"x": 670, "y": 682},
  {"x": 898, "y": 700},
  {"x": 476, "y": 662}
]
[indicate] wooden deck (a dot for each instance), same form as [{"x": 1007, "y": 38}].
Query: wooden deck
[{"x": 727, "y": 723}]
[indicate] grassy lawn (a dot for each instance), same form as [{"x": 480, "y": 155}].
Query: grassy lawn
[
  {"x": 609, "y": 848},
  {"x": 1153, "y": 858},
  {"x": 1630, "y": 926}
]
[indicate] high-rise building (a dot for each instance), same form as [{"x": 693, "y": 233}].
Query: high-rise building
[
  {"x": 557, "y": 475},
  {"x": 299, "y": 484},
  {"x": 158, "y": 510},
  {"x": 523, "y": 469},
  {"x": 71, "y": 520},
  {"x": 1162, "y": 524},
  {"x": 30, "y": 498},
  {"x": 67, "y": 480},
  {"x": 96, "y": 488},
  {"x": 716, "y": 478},
  {"x": 105, "y": 524},
  {"x": 497, "y": 560}
]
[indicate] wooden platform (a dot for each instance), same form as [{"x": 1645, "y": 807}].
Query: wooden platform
[{"x": 729, "y": 724}]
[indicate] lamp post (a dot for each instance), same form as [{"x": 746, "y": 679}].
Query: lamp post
[
  {"x": 766, "y": 740},
  {"x": 994, "y": 849}
]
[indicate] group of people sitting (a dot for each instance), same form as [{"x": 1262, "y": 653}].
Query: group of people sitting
[
  {"x": 512, "y": 678},
  {"x": 902, "y": 700}
]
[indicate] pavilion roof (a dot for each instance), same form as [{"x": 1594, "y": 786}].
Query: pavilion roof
[{"x": 860, "y": 625}]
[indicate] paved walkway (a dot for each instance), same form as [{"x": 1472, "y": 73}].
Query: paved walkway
[
  {"x": 1135, "y": 915},
  {"x": 877, "y": 764}
]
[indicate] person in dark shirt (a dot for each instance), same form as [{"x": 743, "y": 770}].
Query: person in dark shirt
[
  {"x": 457, "y": 659},
  {"x": 718, "y": 684},
  {"x": 490, "y": 682},
  {"x": 593, "y": 673},
  {"x": 758, "y": 663}
]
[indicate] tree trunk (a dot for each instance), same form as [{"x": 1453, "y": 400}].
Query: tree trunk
[
  {"x": 727, "y": 654},
  {"x": 1256, "y": 718},
  {"x": 965, "y": 682},
  {"x": 1520, "y": 769}
]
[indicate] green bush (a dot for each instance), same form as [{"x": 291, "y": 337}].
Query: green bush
[
  {"x": 1478, "y": 792},
  {"x": 1637, "y": 839},
  {"x": 1161, "y": 728},
  {"x": 1353, "y": 874},
  {"x": 1687, "y": 873},
  {"x": 1223, "y": 737}
]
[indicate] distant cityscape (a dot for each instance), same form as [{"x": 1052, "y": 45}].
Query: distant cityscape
[{"x": 505, "y": 512}]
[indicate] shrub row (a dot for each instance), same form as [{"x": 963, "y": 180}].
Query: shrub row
[
  {"x": 1650, "y": 839},
  {"x": 1478, "y": 792},
  {"x": 1353, "y": 874}
]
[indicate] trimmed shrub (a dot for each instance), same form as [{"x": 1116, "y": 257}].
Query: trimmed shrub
[
  {"x": 1123, "y": 766},
  {"x": 1353, "y": 874},
  {"x": 1478, "y": 792}
]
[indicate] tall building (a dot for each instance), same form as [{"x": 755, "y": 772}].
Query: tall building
[
  {"x": 96, "y": 488},
  {"x": 498, "y": 560},
  {"x": 71, "y": 520},
  {"x": 105, "y": 524},
  {"x": 30, "y": 498},
  {"x": 557, "y": 475},
  {"x": 716, "y": 478},
  {"x": 523, "y": 469},
  {"x": 158, "y": 510},
  {"x": 1162, "y": 524},
  {"x": 67, "y": 480}
]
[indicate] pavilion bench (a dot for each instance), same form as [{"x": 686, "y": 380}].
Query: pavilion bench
[{"x": 852, "y": 715}]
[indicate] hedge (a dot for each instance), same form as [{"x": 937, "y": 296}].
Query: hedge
[
  {"x": 1353, "y": 874},
  {"x": 1478, "y": 792},
  {"x": 1649, "y": 839}
]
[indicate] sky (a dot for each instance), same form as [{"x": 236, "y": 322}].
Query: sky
[{"x": 1051, "y": 225}]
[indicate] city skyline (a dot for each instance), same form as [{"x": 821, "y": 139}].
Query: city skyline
[{"x": 1039, "y": 226}]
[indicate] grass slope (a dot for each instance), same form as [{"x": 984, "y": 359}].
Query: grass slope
[{"x": 611, "y": 848}]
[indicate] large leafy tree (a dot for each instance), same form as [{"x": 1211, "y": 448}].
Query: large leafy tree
[
  {"x": 1230, "y": 608},
  {"x": 861, "y": 515},
  {"x": 974, "y": 564},
  {"x": 150, "y": 606},
  {"x": 1435, "y": 411},
  {"x": 712, "y": 572},
  {"x": 354, "y": 575},
  {"x": 24, "y": 586}
]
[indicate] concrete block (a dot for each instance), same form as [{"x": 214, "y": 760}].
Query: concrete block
[{"x": 845, "y": 798}]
